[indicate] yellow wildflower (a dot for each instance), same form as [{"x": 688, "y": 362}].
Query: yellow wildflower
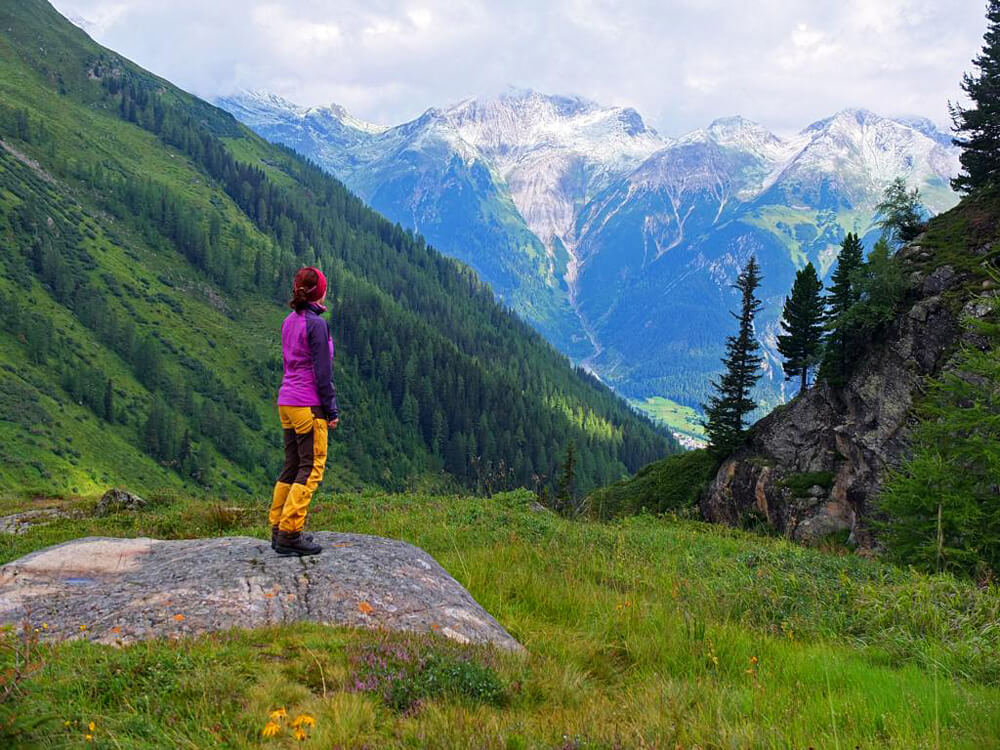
[
  {"x": 299, "y": 734},
  {"x": 304, "y": 719},
  {"x": 270, "y": 729},
  {"x": 278, "y": 713},
  {"x": 45, "y": 626},
  {"x": 88, "y": 737},
  {"x": 90, "y": 726}
]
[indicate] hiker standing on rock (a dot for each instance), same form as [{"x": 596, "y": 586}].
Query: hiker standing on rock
[{"x": 307, "y": 406}]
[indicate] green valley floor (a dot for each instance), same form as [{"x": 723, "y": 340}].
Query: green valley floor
[{"x": 645, "y": 632}]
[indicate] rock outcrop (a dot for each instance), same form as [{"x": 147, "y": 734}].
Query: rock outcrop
[
  {"x": 117, "y": 501},
  {"x": 122, "y": 590},
  {"x": 813, "y": 466},
  {"x": 20, "y": 523}
]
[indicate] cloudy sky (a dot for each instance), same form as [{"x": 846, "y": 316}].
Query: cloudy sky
[{"x": 680, "y": 63}]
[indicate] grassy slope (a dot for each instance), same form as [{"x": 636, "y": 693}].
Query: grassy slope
[
  {"x": 677, "y": 417},
  {"x": 195, "y": 328},
  {"x": 639, "y": 633},
  {"x": 77, "y": 453}
]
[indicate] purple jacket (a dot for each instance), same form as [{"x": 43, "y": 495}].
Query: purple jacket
[{"x": 308, "y": 353}]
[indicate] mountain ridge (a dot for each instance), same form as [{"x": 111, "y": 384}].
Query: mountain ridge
[{"x": 601, "y": 213}]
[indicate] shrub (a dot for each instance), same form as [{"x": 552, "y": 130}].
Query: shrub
[
  {"x": 673, "y": 484},
  {"x": 407, "y": 671}
]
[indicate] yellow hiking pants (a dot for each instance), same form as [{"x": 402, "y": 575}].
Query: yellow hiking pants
[{"x": 305, "y": 460}]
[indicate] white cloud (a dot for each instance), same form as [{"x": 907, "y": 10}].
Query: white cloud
[{"x": 681, "y": 63}]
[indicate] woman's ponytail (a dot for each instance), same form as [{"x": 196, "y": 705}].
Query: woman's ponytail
[{"x": 308, "y": 286}]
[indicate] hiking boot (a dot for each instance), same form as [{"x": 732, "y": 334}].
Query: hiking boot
[
  {"x": 294, "y": 543},
  {"x": 274, "y": 536}
]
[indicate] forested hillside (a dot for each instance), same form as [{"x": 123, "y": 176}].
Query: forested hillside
[{"x": 148, "y": 245}]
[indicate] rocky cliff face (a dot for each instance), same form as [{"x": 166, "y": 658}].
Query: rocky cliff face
[{"x": 813, "y": 467}]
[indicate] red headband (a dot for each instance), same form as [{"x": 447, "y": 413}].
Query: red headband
[{"x": 315, "y": 292}]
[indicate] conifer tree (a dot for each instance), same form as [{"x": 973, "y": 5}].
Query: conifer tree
[
  {"x": 977, "y": 128},
  {"x": 565, "y": 502},
  {"x": 900, "y": 213},
  {"x": 843, "y": 294},
  {"x": 942, "y": 506},
  {"x": 802, "y": 320},
  {"x": 728, "y": 407}
]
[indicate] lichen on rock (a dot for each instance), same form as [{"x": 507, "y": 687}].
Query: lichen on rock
[{"x": 122, "y": 590}]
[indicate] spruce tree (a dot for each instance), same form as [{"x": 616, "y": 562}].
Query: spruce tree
[
  {"x": 942, "y": 506},
  {"x": 729, "y": 406},
  {"x": 843, "y": 294},
  {"x": 565, "y": 501},
  {"x": 802, "y": 320},
  {"x": 977, "y": 128}
]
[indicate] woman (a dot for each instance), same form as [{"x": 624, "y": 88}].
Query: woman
[{"x": 307, "y": 406}]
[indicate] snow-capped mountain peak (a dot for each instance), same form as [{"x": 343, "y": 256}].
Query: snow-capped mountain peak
[
  {"x": 346, "y": 118},
  {"x": 258, "y": 107}
]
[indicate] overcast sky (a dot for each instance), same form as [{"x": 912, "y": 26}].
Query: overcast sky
[{"x": 680, "y": 63}]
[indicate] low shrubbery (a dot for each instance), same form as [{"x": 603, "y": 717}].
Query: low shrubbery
[{"x": 672, "y": 485}]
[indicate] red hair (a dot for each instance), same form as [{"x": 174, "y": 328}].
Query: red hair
[{"x": 308, "y": 286}]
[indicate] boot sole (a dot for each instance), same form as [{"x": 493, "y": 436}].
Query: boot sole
[{"x": 292, "y": 552}]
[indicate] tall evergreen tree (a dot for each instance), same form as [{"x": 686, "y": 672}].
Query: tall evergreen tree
[
  {"x": 728, "y": 407},
  {"x": 565, "y": 500},
  {"x": 802, "y": 320},
  {"x": 977, "y": 128},
  {"x": 843, "y": 294}
]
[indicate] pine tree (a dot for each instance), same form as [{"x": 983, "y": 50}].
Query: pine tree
[
  {"x": 565, "y": 501},
  {"x": 977, "y": 129},
  {"x": 731, "y": 403},
  {"x": 802, "y": 320},
  {"x": 880, "y": 286},
  {"x": 843, "y": 294},
  {"x": 942, "y": 506}
]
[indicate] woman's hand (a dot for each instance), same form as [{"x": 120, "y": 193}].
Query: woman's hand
[{"x": 332, "y": 424}]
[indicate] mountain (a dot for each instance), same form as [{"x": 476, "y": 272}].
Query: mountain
[
  {"x": 613, "y": 238},
  {"x": 148, "y": 245}
]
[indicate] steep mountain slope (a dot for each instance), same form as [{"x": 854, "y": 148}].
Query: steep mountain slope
[
  {"x": 149, "y": 241},
  {"x": 642, "y": 234},
  {"x": 814, "y": 466}
]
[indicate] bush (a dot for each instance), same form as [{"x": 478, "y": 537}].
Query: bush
[
  {"x": 673, "y": 484},
  {"x": 407, "y": 671}
]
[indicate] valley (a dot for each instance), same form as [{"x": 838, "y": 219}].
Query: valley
[{"x": 616, "y": 242}]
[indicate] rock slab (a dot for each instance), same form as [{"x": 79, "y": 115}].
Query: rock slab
[{"x": 123, "y": 590}]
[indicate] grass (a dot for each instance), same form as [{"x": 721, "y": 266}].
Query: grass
[
  {"x": 672, "y": 485},
  {"x": 965, "y": 238},
  {"x": 801, "y": 483},
  {"x": 679, "y": 418},
  {"x": 640, "y": 633}
]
